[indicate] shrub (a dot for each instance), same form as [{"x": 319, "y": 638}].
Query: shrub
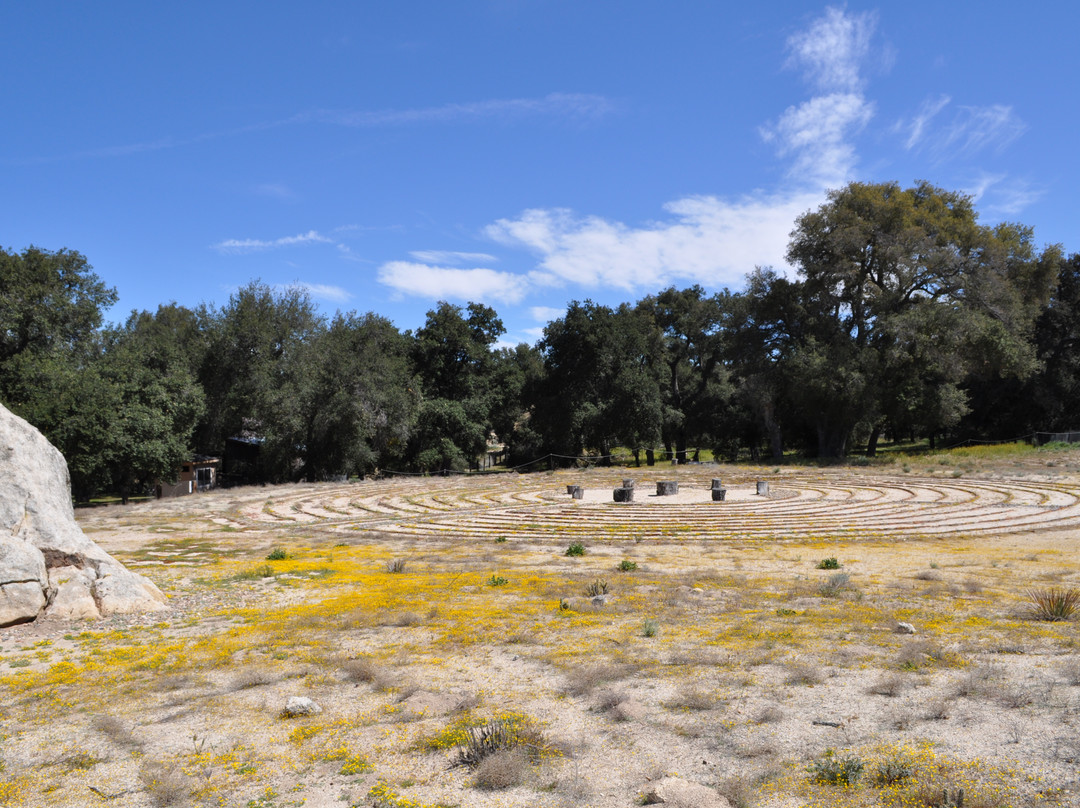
[
  {"x": 803, "y": 674},
  {"x": 502, "y": 769},
  {"x": 596, "y": 588},
  {"x": 836, "y": 584},
  {"x": 1054, "y": 604},
  {"x": 892, "y": 771},
  {"x": 500, "y": 735},
  {"x": 829, "y": 564},
  {"x": 627, "y": 566},
  {"x": 277, "y": 554},
  {"x": 395, "y": 565},
  {"x": 576, "y": 549},
  {"x": 836, "y": 771},
  {"x": 500, "y": 539},
  {"x": 497, "y": 580},
  {"x": 650, "y": 627}
]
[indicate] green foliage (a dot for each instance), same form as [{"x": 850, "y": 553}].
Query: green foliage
[
  {"x": 835, "y": 770},
  {"x": 596, "y": 588},
  {"x": 627, "y": 566},
  {"x": 576, "y": 549},
  {"x": 892, "y": 771},
  {"x": 1054, "y": 604},
  {"x": 497, "y": 580},
  {"x": 650, "y": 627},
  {"x": 277, "y": 554},
  {"x": 829, "y": 564},
  {"x": 395, "y": 565}
]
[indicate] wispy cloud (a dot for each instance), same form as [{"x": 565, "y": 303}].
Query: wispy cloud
[
  {"x": 444, "y": 283},
  {"x": 978, "y": 128},
  {"x": 971, "y": 129},
  {"x": 833, "y": 49},
  {"x": 580, "y": 106},
  {"x": 247, "y": 245},
  {"x": 817, "y": 133},
  {"x": 917, "y": 126},
  {"x": 451, "y": 257},
  {"x": 321, "y": 291},
  {"x": 1001, "y": 195},
  {"x": 545, "y": 314},
  {"x": 274, "y": 190}
]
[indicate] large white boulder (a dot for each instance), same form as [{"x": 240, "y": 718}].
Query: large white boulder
[{"x": 47, "y": 565}]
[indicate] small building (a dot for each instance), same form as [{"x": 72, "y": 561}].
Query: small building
[{"x": 198, "y": 474}]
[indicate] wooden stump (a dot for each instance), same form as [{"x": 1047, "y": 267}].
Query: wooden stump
[
  {"x": 627, "y": 483},
  {"x": 624, "y": 494},
  {"x": 667, "y": 488},
  {"x": 717, "y": 484},
  {"x": 718, "y": 494},
  {"x": 576, "y": 491},
  {"x": 763, "y": 488}
]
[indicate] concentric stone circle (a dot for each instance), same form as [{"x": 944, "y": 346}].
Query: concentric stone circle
[{"x": 799, "y": 505}]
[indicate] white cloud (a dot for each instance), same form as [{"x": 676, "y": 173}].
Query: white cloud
[
  {"x": 817, "y": 133},
  {"x": 581, "y": 106},
  {"x": 977, "y": 128},
  {"x": 832, "y": 50},
  {"x": 321, "y": 291},
  {"x": 255, "y": 245},
  {"x": 1003, "y": 197},
  {"x": 545, "y": 314},
  {"x": 443, "y": 283},
  {"x": 274, "y": 190},
  {"x": 971, "y": 130},
  {"x": 450, "y": 257},
  {"x": 917, "y": 126},
  {"x": 709, "y": 240}
]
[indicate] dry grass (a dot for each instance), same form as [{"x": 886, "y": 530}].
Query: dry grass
[{"x": 503, "y": 769}]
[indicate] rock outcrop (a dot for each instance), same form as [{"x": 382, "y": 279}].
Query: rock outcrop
[{"x": 47, "y": 566}]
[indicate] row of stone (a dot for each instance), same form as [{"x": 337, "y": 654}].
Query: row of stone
[{"x": 664, "y": 488}]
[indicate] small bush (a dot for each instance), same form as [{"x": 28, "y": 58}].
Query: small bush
[
  {"x": 360, "y": 670},
  {"x": 505, "y": 768},
  {"x": 627, "y": 566},
  {"x": 836, "y": 771},
  {"x": 500, "y": 735},
  {"x": 500, "y": 539},
  {"x": 165, "y": 784},
  {"x": 892, "y": 771},
  {"x": 890, "y": 685},
  {"x": 277, "y": 554},
  {"x": 497, "y": 580},
  {"x": 576, "y": 549},
  {"x": 803, "y": 674},
  {"x": 829, "y": 564},
  {"x": 836, "y": 584},
  {"x": 596, "y": 588},
  {"x": 395, "y": 565},
  {"x": 1054, "y": 604},
  {"x": 650, "y": 627}
]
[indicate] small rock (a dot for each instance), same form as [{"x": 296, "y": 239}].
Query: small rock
[
  {"x": 300, "y": 705},
  {"x": 905, "y": 628},
  {"x": 679, "y": 793}
]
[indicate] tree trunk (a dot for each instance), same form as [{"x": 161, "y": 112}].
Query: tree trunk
[
  {"x": 871, "y": 443},
  {"x": 650, "y": 457}
]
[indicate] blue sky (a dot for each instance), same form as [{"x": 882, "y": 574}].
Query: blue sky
[{"x": 522, "y": 153}]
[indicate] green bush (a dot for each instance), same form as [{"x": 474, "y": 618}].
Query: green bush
[
  {"x": 627, "y": 566},
  {"x": 829, "y": 564},
  {"x": 497, "y": 580},
  {"x": 650, "y": 627},
  {"x": 836, "y": 771},
  {"x": 277, "y": 554},
  {"x": 576, "y": 549}
]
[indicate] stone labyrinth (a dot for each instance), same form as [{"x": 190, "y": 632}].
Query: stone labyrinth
[{"x": 537, "y": 507}]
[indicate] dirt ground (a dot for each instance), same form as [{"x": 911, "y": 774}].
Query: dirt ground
[{"x": 705, "y": 640}]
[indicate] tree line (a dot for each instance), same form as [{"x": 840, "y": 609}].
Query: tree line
[{"x": 907, "y": 320}]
